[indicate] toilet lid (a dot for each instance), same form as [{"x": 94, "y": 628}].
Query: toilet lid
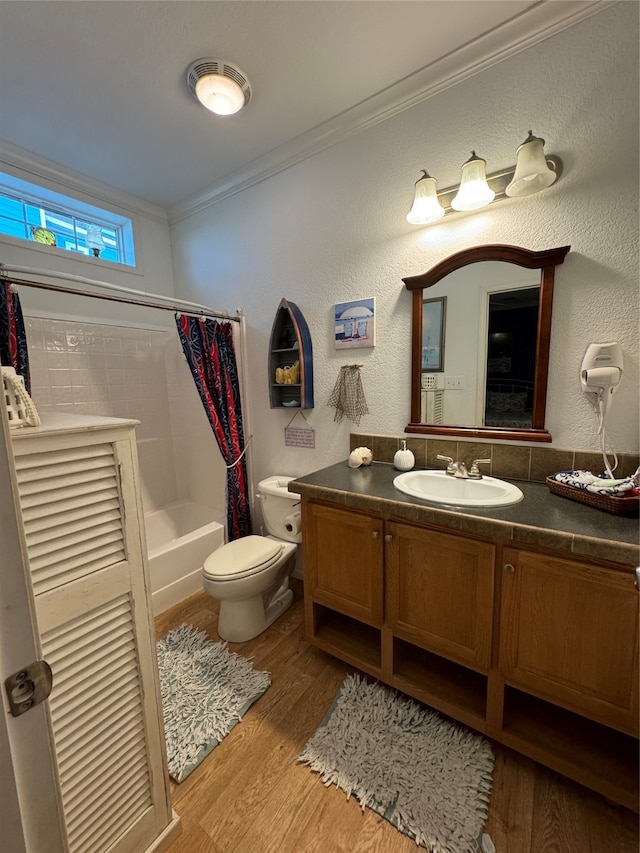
[{"x": 242, "y": 557}]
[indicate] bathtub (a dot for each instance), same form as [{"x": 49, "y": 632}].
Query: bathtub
[{"x": 180, "y": 536}]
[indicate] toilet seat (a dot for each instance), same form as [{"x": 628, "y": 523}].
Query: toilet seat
[{"x": 242, "y": 558}]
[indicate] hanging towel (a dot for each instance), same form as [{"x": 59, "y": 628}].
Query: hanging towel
[
  {"x": 13, "y": 338},
  {"x": 347, "y": 396}
]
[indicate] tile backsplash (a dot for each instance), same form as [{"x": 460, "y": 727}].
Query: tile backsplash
[
  {"x": 126, "y": 372},
  {"x": 507, "y": 460}
]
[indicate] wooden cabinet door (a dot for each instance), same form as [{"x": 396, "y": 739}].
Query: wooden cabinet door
[
  {"x": 343, "y": 560},
  {"x": 569, "y": 633},
  {"x": 440, "y": 592}
]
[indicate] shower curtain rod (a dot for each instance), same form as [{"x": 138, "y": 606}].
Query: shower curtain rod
[{"x": 181, "y": 306}]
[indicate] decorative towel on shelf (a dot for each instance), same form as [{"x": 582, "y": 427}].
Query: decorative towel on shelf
[
  {"x": 347, "y": 396},
  {"x": 595, "y": 483}
]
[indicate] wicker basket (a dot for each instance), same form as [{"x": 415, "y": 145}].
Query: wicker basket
[{"x": 609, "y": 503}]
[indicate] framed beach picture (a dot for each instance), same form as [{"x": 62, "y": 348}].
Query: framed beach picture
[
  {"x": 355, "y": 323},
  {"x": 433, "y": 318}
]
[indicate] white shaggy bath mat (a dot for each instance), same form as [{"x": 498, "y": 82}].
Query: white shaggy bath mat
[
  {"x": 205, "y": 689},
  {"x": 428, "y": 776}
]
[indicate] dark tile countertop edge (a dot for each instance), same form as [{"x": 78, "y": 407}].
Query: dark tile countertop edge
[{"x": 541, "y": 518}]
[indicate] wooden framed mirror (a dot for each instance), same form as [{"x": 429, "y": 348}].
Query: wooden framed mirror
[{"x": 497, "y": 379}]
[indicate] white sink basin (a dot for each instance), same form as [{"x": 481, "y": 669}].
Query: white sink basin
[{"x": 442, "y": 488}]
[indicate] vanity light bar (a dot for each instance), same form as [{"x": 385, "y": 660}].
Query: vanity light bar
[
  {"x": 498, "y": 182},
  {"x": 534, "y": 171}
]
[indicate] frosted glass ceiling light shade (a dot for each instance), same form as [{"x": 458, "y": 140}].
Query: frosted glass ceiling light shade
[
  {"x": 474, "y": 191},
  {"x": 426, "y": 207},
  {"x": 532, "y": 171},
  {"x": 219, "y": 86}
]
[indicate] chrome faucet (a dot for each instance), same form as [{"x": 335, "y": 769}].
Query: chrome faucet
[{"x": 459, "y": 469}]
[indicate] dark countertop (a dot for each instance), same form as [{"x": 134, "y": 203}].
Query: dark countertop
[{"x": 541, "y": 519}]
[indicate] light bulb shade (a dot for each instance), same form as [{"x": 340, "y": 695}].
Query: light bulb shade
[
  {"x": 426, "y": 207},
  {"x": 219, "y": 86},
  {"x": 219, "y": 94},
  {"x": 474, "y": 191},
  {"x": 532, "y": 171}
]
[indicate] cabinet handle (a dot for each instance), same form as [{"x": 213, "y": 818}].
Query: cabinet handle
[
  {"x": 374, "y": 534},
  {"x": 509, "y": 568},
  {"x": 388, "y": 537},
  {"x": 637, "y": 577}
]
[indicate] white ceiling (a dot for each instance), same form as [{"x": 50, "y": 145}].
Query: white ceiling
[{"x": 99, "y": 86}]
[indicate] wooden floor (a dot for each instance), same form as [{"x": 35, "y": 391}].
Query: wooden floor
[{"x": 248, "y": 796}]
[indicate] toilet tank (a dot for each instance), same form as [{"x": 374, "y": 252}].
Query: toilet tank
[{"x": 280, "y": 508}]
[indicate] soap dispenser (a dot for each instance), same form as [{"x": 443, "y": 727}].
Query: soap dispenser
[{"x": 404, "y": 460}]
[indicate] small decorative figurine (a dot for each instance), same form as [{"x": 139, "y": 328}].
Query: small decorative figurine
[
  {"x": 288, "y": 375},
  {"x": 360, "y": 456}
]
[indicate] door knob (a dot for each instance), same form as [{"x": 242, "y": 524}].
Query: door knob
[{"x": 509, "y": 568}]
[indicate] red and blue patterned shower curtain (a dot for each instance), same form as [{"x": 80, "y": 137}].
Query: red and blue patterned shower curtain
[
  {"x": 208, "y": 346},
  {"x": 13, "y": 338}
]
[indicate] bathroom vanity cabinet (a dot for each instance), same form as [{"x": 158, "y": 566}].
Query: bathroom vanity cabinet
[
  {"x": 80, "y": 509},
  {"x": 537, "y": 650}
]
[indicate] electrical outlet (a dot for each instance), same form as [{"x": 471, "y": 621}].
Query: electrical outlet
[{"x": 454, "y": 383}]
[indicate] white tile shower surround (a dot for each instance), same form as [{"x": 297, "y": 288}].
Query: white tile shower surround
[{"x": 117, "y": 371}]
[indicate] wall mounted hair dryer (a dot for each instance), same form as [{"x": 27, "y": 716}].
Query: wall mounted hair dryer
[{"x": 601, "y": 372}]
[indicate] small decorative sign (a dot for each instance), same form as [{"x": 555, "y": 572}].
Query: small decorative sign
[{"x": 299, "y": 436}]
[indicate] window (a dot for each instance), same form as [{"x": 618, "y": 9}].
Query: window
[{"x": 30, "y": 212}]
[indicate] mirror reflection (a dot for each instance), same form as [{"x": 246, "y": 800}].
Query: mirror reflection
[
  {"x": 492, "y": 307},
  {"x": 510, "y": 357}
]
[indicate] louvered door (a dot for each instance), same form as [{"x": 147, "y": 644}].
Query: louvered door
[
  {"x": 72, "y": 513},
  {"x": 80, "y": 511}
]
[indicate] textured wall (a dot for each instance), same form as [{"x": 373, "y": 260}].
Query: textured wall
[{"x": 333, "y": 228}]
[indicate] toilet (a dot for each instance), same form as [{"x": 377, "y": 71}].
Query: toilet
[{"x": 250, "y": 576}]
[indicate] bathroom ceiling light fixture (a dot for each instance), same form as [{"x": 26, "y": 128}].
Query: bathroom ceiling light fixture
[
  {"x": 220, "y": 86},
  {"x": 534, "y": 171}
]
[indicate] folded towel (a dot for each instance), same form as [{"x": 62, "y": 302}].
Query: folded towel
[{"x": 596, "y": 483}]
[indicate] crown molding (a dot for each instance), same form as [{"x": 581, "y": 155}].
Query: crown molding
[
  {"x": 545, "y": 19},
  {"x": 31, "y": 167}
]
